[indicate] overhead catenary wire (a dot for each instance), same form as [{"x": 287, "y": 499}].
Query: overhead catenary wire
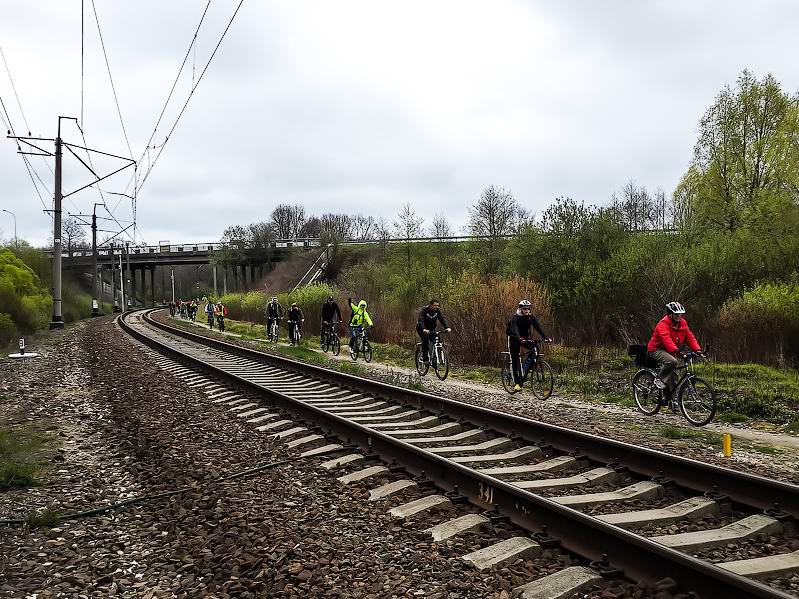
[
  {"x": 191, "y": 93},
  {"x": 28, "y": 166},
  {"x": 22, "y": 112},
  {"x": 148, "y": 147},
  {"x": 113, "y": 88}
]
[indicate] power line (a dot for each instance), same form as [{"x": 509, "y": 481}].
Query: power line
[
  {"x": 81, "y": 62},
  {"x": 191, "y": 93},
  {"x": 193, "y": 44},
  {"x": 28, "y": 166},
  {"x": 14, "y": 88},
  {"x": 113, "y": 89},
  {"x": 22, "y": 112}
]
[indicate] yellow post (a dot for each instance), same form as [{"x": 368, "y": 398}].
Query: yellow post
[{"x": 727, "y": 445}]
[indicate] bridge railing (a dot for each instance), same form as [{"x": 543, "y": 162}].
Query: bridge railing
[{"x": 210, "y": 248}]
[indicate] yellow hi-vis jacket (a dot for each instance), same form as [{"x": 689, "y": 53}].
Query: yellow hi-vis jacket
[{"x": 359, "y": 315}]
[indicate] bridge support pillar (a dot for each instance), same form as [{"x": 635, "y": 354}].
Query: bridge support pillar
[
  {"x": 143, "y": 287},
  {"x": 152, "y": 286},
  {"x": 224, "y": 280},
  {"x": 216, "y": 289},
  {"x": 132, "y": 289},
  {"x": 114, "y": 302}
]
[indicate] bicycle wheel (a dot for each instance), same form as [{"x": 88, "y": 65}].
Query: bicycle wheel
[
  {"x": 325, "y": 342},
  {"x": 645, "y": 394},
  {"x": 421, "y": 367},
  {"x": 336, "y": 345},
  {"x": 442, "y": 362},
  {"x": 367, "y": 351},
  {"x": 353, "y": 347},
  {"x": 697, "y": 399},
  {"x": 542, "y": 381},
  {"x": 507, "y": 374}
]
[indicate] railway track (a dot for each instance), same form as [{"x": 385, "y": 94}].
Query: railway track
[{"x": 594, "y": 497}]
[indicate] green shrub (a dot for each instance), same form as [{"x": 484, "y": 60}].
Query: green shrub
[
  {"x": 764, "y": 319},
  {"x": 8, "y": 331},
  {"x": 22, "y": 295}
]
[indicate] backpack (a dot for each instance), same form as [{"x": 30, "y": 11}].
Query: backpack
[{"x": 224, "y": 310}]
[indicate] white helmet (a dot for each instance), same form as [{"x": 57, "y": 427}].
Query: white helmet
[
  {"x": 525, "y": 304},
  {"x": 675, "y": 308}
]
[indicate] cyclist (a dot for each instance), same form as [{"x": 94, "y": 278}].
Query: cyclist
[
  {"x": 294, "y": 318},
  {"x": 669, "y": 338},
  {"x": 220, "y": 312},
  {"x": 358, "y": 317},
  {"x": 518, "y": 331},
  {"x": 330, "y": 315},
  {"x": 429, "y": 317},
  {"x": 209, "y": 313},
  {"x": 273, "y": 311}
]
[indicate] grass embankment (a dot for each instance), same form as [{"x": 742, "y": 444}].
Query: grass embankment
[
  {"x": 21, "y": 459},
  {"x": 745, "y": 391}
]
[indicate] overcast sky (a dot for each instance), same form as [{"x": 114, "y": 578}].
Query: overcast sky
[{"x": 361, "y": 106}]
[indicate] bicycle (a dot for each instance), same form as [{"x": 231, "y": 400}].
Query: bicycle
[
  {"x": 295, "y": 334},
  {"x": 273, "y": 332},
  {"x": 438, "y": 356},
  {"x": 542, "y": 380},
  {"x": 695, "y": 397},
  {"x": 361, "y": 345},
  {"x": 330, "y": 339}
]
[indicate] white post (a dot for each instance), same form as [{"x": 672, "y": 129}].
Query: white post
[{"x": 172, "y": 277}]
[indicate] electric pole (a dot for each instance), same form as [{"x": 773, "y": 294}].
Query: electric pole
[
  {"x": 58, "y": 320},
  {"x": 95, "y": 301}
]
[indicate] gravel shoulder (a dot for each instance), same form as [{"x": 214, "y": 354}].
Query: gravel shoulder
[{"x": 755, "y": 451}]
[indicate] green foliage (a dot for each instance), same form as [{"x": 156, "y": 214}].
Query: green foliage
[
  {"x": 22, "y": 296},
  {"x": 746, "y": 158},
  {"x": 19, "y": 457},
  {"x": 47, "y": 518},
  {"x": 8, "y": 331}
]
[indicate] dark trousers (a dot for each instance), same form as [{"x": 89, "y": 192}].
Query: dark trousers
[
  {"x": 427, "y": 341},
  {"x": 515, "y": 346}
]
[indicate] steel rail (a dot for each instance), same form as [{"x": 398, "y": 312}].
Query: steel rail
[
  {"x": 640, "y": 558},
  {"x": 748, "y": 489}
]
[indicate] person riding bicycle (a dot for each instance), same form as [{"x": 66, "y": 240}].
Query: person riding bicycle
[
  {"x": 518, "y": 331},
  {"x": 294, "y": 318},
  {"x": 330, "y": 315},
  {"x": 274, "y": 311},
  {"x": 429, "y": 317},
  {"x": 220, "y": 312},
  {"x": 209, "y": 313},
  {"x": 358, "y": 317},
  {"x": 669, "y": 338}
]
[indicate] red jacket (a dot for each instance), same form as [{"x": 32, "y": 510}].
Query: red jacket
[{"x": 670, "y": 337}]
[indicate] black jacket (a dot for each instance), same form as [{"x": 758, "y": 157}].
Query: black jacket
[
  {"x": 329, "y": 311},
  {"x": 295, "y": 314},
  {"x": 519, "y": 327},
  {"x": 428, "y": 321},
  {"x": 274, "y": 310}
]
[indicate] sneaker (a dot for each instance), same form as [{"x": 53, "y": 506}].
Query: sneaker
[
  {"x": 517, "y": 387},
  {"x": 660, "y": 384}
]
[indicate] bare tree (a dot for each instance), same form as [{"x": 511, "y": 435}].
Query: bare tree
[
  {"x": 440, "y": 227},
  {"x": 363, "y": 227},
  {"x": 312, "y": 228},
  {"x": 288, "y": 220},
  {"x": 495, "y": 215},
  {"x": 407, "y": 226},
  {"x": 336, "y": 227},
  {"x": 73, "y": 234},
  {"x": 382, "y": 231}
]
